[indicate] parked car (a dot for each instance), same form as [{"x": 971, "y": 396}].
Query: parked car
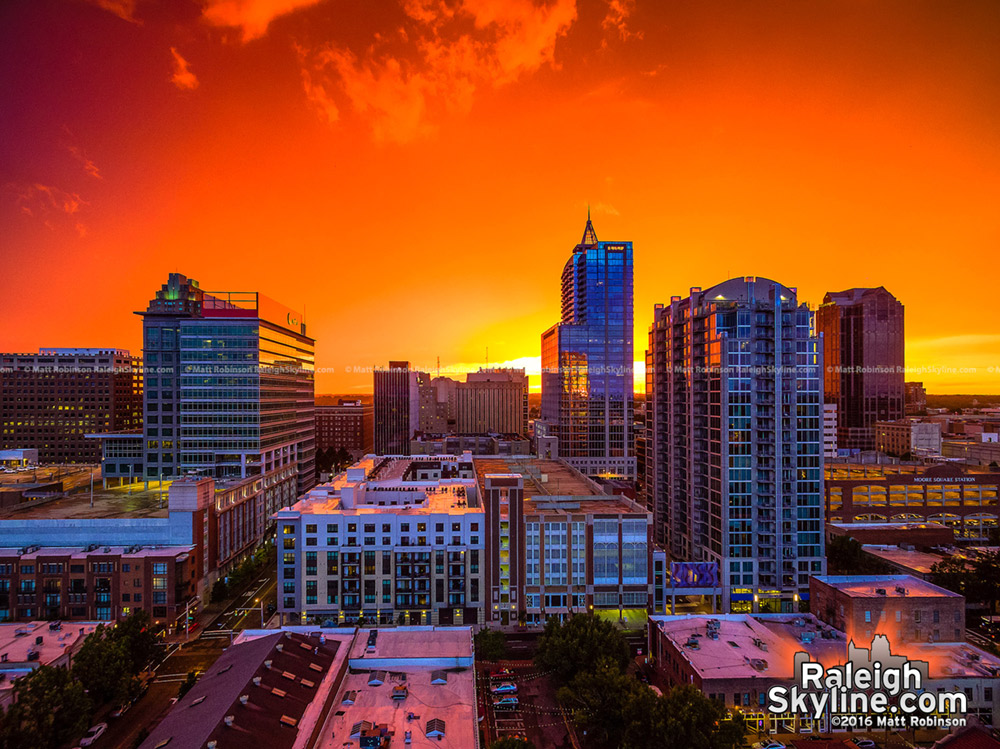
[
  {"x": 94, "y": 734},
  {"x": 865, "y": 744},
  {"x": 501, "y": 673},
  {"x": 121, "y": 709},
  {"x": 769, "y": 744},
  {"x": 505, "y": 703},
  {"x": 508, "y": 687}
]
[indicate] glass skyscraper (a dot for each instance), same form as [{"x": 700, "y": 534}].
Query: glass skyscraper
[
  {"x": 230, "y": 389},
  {"x": 734, "y": 460},
  {"x": 587, "y": 387}
]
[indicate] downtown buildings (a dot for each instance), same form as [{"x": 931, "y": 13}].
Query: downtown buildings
[
  {"x": 349, "y": 425},
  {"x": 463, "y": 540},
  {"x": 587, "y": 385},
  {"x": 51, "y": 401},
  {"x": 734, "y": 461},
  {"x": 863, "y": 347},
  {"x": 229, "y": 390},
  {"x": 410, "y": 404}
]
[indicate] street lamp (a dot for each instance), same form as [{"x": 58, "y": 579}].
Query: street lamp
[{"x": 261, "y": 602}]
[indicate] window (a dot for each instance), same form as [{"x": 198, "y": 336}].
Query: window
[{"x": 159, "y": 568}]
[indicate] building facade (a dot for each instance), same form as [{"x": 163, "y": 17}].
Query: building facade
[
  {"x": 965, "y": 501},
  {"x": 908, "y": 438},
  {"x": 230, "y": 385},
  {"x": 829, "y": 431},
  {"x": 587, "y": 383},
  {"x": 492, "y": 401},
  {"x": 397, "y": 408},
  {"x": 734, "y": 460},
  {"x": 349, "y": 425},
  {"x": 915, "y": 398},
  {"x": 51, "y": 400},
  {"x": 461, "y": 540},
  {"x": 862, "y": 331},
  {"x": 904, "y": 608}
]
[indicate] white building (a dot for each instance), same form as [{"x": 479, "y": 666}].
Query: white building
[{"x": 830, "y": 431}]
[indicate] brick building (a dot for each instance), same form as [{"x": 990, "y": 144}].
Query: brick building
[
  {"x": 905, "y": 608},
  {"x": 348, "y": 425}
]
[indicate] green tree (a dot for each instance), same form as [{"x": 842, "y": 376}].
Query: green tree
[
  {"x": 510, "y": 742},
  {"x": 952, "y": 574},
  {"x": 49, "y": 710},
  {"x": 984, "y": 584},
  {"x": 845, "y": 555},
  {"x": 136, "y": 632},
  {"x": 566, "y": 649},
  {"x": 696, "y": 722},
  {"x": 103, "y": 666},
  {"x": 190, "y": 681},
  {"x": 220, "y": 591},
  {"x": 491, "y": 644}
]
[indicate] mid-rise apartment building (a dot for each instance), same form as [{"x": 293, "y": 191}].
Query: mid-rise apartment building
[
  {"x": 462, "y": 540},
  {"x": 51, "y": 401},
  {"x": 348, "y": 425},
  {"x": 908, "y": 437}
]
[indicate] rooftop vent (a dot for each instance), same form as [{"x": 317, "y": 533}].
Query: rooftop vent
[
  {"x": 435, "y": 728},
  {"x": 267, "y": 663},
  {"x": 288, "y": 720},
  {"x": 228, "y": 720},
  {"x": 880, "y": 591},
  {"x": 244, "y": 698},
  {"x": 279, "y": 647},
  {"x": 901, "y": 590},
  {"x": 256, "y": 681}
]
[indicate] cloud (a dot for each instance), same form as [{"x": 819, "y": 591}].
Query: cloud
[
  {"x": 610, "y": 210},
  {"x": 436, "y": 62},
  {"x": 616, "y": 20},
  {"x": 183, "y": 78},
  {"x": 88, "y": 166},
  {"x": 124, "y": 9},
  {"x": 967, "y": 341},
  {"x": 51, "y": 205},
  {"x": 252, "y": 17}
]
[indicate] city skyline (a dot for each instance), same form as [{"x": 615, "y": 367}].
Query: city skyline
[{"x": 237, "y": 143}]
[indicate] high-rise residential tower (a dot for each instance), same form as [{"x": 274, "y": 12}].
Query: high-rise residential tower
[
  {"x": 230, "y": 390},
  {"x": 863, "y": 347},
  {"x": 734, "y": 466},
  {"x": 587, "y": 387}
]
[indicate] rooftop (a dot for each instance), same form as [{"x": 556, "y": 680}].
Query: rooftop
[
  {"x": 132, "y": 501},
  {"x": 911, "y": 559},
  {"x": 17, "y": 641},
  {"x": 80, "y": 552},
  {"x": 551, "y": 485},
  {"x": 891, "y": 586},
  {"x": 417, "y": 703},
  {"x": 265, "y": 690}
]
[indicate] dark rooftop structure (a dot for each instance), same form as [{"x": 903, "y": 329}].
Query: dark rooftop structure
[{"x": 255, "y": 694}]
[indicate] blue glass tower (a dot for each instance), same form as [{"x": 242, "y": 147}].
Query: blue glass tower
[{"x": 587, "y": 387}]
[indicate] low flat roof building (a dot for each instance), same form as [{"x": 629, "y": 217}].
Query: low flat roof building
[
  {"x": 906, "y": 608},
  {"x": 737, "y": 658},
  {"x": 28, "y": 645},
  {"x": 412, "y": 685}
]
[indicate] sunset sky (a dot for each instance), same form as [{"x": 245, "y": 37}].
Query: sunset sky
[{"x": 414, "y": 174}]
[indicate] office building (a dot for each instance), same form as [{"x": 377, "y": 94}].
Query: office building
[
  {"x": 230, "y": 390},
  {"x": 734, "y": 440},
  {"x": 862, "y": 331},
  {"x": 902, "y": 607},
  {"x": 587, "y": 387},
  {"x": 983, "y": 451},
  {"x": 409, "y": 403},
  {"x": 908, "y": 438},
  {"x": 462, "y": 540},
  {"x": 349, "y": 425},
  {"x": 51, "y": 400},
  {"x": 476, "y": 444},
  {"x": 915, "y": 398},
  {"x": 829, "y": 431},
  {"x": 397, "y": 408},
  {"x": 962, "y": 499},
  {"x": 492, "y": 401}
]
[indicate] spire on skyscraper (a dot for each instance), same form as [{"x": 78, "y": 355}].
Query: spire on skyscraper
[{"x": 589, "y": 235}]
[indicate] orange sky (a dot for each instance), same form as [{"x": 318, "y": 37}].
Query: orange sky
[{"x": 416, "y": 175}]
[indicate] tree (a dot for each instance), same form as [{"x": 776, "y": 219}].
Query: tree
[
  {"x": 697, "y": 722},
  {"x": 185, "y": 687},
  {"x": 510, "y": 742},
  {"x": 49, "y": 710},
  {"x": 220, "y": 591},
  {"x": 951, "y": 574},
  {"x": 984, "y": 584},
  {"x": 136, "y": 631},
  {"x": 491, "y": 644},
  {"x": 566, "y": 649},
  {"x": 846, "y": 556},
  {"x": 103, "y": 666}
]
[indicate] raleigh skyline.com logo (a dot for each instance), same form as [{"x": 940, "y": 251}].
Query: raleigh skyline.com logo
[{"x": 873, "y": 689}]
